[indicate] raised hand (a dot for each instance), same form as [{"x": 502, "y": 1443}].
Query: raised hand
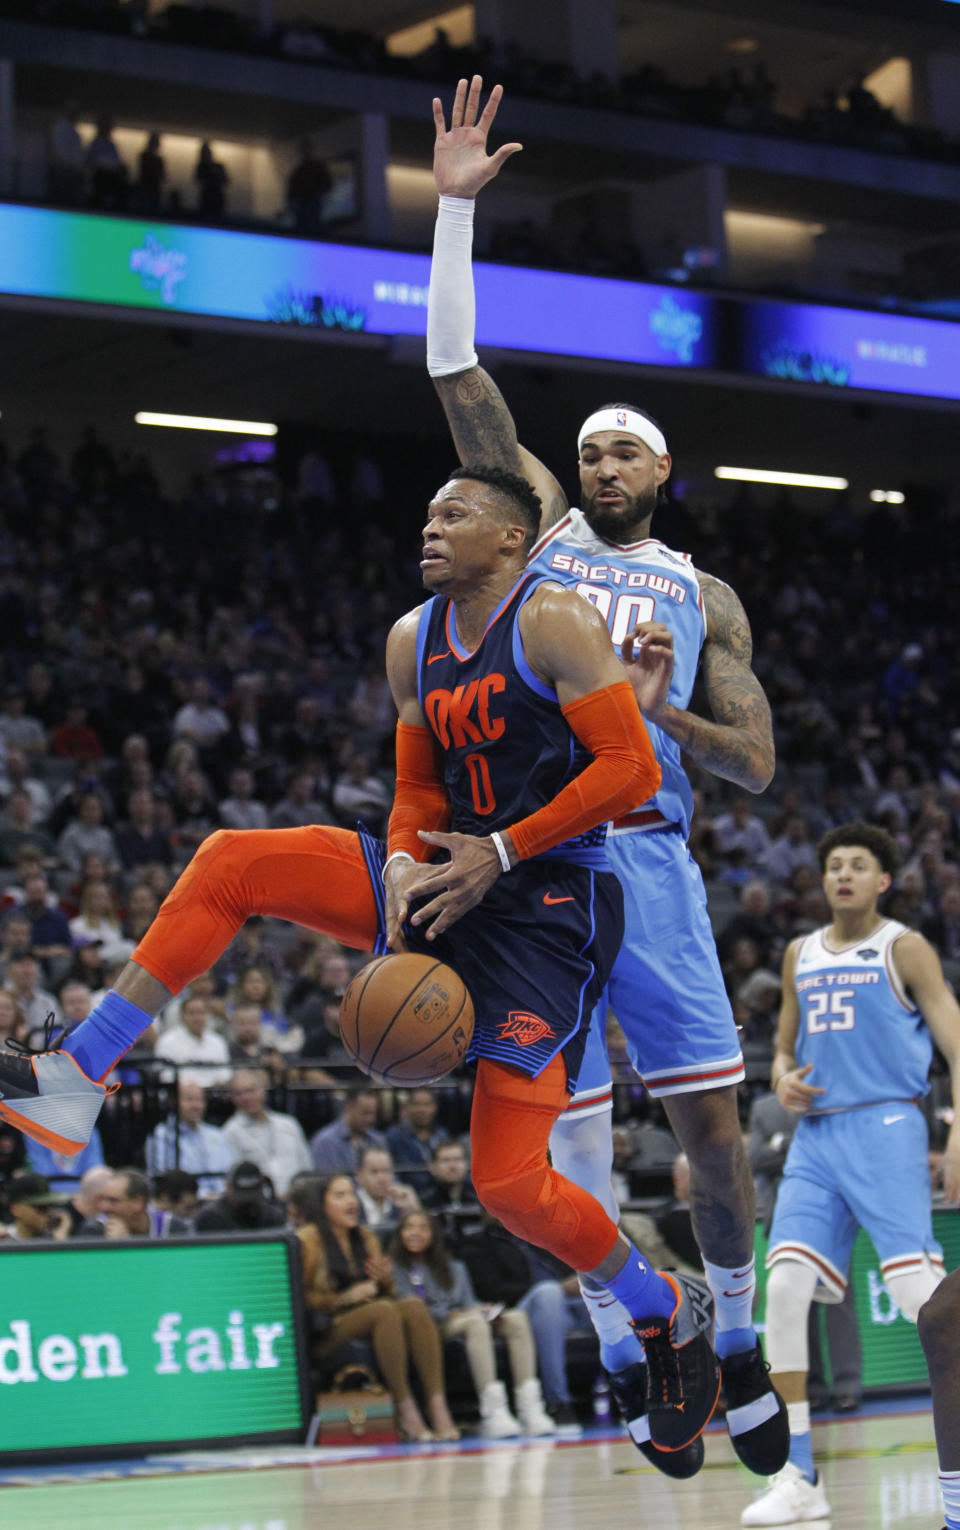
[
  {"x": 647, "y": 656},
  {"x": 461, "y": 164}
]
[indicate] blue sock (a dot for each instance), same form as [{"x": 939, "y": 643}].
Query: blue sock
[
  {"x": 623, "y": 1352},
  {"x": 734, "y": 1341},
  {"x": 641, "y": 1289},
  {"x": 801, "y": 1454},
  {"x": 108, "y": 1032}
]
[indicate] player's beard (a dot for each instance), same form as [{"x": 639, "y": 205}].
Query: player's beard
[{"x": 622, "y": 523}]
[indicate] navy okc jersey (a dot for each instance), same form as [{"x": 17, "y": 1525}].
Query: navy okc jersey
[{"x": 507, "y": 748}]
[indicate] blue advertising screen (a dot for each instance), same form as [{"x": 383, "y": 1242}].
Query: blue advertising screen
[
  {"x": 84, "y": 258},
  {"x": 851, "y": 348}
]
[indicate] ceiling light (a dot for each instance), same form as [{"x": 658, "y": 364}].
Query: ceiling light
[
  {"x": 202, "y": 422},
  {"x": 887, "y": 496},
  {"x": 792, "y": 480}
]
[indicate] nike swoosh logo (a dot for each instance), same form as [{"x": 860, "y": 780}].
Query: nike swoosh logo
[
  {"x": 737, "y": 1293},
  {"x": 435, "y": 656},
  {"x": 549, "y": 899},
  {"x": 889, "y": 1120}
]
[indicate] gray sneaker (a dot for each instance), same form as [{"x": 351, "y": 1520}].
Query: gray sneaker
[
  {"x": 48, "y": 1097},
  {"x": 683, "y": 1374}
]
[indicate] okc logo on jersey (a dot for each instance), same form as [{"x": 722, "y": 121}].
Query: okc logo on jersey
[
  {"x": 523, "y": 1028},
  {"x": 462, "y": 716}
]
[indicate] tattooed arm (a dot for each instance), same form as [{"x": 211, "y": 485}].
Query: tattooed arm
[
  {"x": 738, "y": 745},
  {"x": 483, "y": 431}
]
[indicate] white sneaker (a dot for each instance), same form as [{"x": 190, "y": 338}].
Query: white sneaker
[
  {"x": 497, "y": 1422},
  {"x": 531, "y": 1412},
  {"x": 790, "y": 1499}
]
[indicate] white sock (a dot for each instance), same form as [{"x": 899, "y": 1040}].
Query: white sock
[
  {"x": 733, "y": 1292},
  {"x": 950, "y": 1488}
]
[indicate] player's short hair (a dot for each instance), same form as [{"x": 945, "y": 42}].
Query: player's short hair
[
  {"x": 522, "y": 496},
  {"x": 868, "y": 836}
]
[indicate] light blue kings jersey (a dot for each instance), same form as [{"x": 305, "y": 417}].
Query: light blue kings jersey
[
  {"x": 642, "y": 582},
  {"x": 865, "y": 1037}
]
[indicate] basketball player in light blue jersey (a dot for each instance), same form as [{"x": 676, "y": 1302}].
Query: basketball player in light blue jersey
[
  {"x": 861, "y": 998},
  {"x": 666, "y": 988}
]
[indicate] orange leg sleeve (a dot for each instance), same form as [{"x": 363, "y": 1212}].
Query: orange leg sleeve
[
  {"x": 315, "y": 876},
  {"x": 513, "y": 1116}
]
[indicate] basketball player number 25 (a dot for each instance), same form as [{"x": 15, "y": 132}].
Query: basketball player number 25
[
  {"x": 839, "y": 1006},
  {"x": 628, "y": 610}
]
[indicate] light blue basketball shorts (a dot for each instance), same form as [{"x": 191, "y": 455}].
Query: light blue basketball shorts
[
  {"x": 857, "y": 1168},
  {"x": 666, "y": 988}
]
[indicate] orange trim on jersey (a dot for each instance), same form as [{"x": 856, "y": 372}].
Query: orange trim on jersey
[
  {"x": 733, "y": 1070},
  {"x": 450, "y": 625},
  {"x": 623, "y": 771},
  {"x": 548, "y": 536},
  {"x": 606, "y": 1098},
  {"x": 808, "y": 1256},
  {"x": 893, "y": 976}
]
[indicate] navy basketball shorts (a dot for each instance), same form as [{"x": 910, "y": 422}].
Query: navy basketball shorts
[{"x": 534, "y": 955}]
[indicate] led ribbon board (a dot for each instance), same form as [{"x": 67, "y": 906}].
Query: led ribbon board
[
  {"x": 851, "y": 348},
  {"x": 174, "y": 269}
]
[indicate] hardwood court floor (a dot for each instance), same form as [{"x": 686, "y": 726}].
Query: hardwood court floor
[{"x": 880, "y": 1473}]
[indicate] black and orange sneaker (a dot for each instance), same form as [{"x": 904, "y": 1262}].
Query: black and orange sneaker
[
  {"x": 629, "y": 1391},
  {"x": 47, "y": 1095},
  {"x": 683, "y": 1373},
  {"x": 756, "y": 1413}
]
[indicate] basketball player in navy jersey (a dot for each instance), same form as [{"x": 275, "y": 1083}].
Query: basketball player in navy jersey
[
  {"x": 518, "y": 738},
  {"x": 861, "y": 998},
  {"x": 666, "y": 987}
]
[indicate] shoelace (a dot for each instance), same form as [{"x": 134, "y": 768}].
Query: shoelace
[
  {"x": 52, "y": 1037},
  {"x": 664, "y": 1369}
]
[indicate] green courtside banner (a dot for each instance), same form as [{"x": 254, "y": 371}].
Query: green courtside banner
[
  {"x": 892, "y": 1357},
  {"x": 108, "y": 1348}
]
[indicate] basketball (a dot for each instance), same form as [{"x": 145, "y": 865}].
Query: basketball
[{"x": 406, "y": 1019}]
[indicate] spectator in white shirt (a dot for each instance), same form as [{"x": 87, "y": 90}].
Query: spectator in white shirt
[
  {"x": 271, "y": 1139},
  {"x": 793, "y": 848},
  {"x": 189, "y": 1142},
  {"x": 193, "y": 1040},
  {"x": 383, "y": 1202},
  {"x": 741, "y": 829},
  {"x": 200, "y": 720},
  {"x": 240, "y": 810}
]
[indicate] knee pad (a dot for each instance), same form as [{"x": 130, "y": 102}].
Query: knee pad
[
  {"x": 790, "y": 1289},
  {"x": 911, "y": 1289},
  {"x": 512, "y": 1195}
]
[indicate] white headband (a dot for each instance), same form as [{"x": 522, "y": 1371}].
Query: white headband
[{"x": 624, "y": 419}]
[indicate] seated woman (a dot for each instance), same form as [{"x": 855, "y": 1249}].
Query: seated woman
[
  {"x": 422, "y": 1267},
  {"x": 257, "y": 985},
  {"x": 347, "y": 1276}
]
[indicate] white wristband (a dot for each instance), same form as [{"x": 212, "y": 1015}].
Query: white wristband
[
  {"x": 501, "y": 850},
  {"x": 396, "y": 856},
  {"x": 451, "y": 306}
]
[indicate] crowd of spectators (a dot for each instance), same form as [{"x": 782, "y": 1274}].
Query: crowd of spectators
[
  {"x": 741, "y": 98},
  {"x": 171, "y": 666}
]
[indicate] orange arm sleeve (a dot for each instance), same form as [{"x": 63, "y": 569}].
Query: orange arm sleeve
[
  {"x": 420, "y": 801},
  {"x": 623, "y": 773}
]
